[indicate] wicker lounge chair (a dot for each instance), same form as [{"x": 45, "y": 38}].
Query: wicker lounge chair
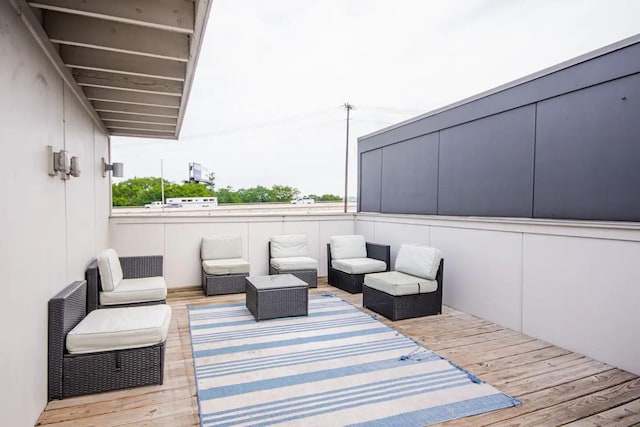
[
  {"x": 351, "y": 258},
  {"x": 148, "y": 288},
  {"x": 289, "y": 254},
  {"x": 73, "y": 374},
  {"x": 414, "y": 289},
  {"x": 223, "y": 269}
]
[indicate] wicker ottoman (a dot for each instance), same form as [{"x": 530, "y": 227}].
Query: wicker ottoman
[{"x": 270, "y": 297}]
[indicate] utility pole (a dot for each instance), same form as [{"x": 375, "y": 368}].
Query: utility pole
[
  {"x": 162, "y": 181},
  {"x": 347, "y": 107}
]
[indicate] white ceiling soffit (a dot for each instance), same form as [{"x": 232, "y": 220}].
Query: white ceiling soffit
[{"x": 129, "y": 62}]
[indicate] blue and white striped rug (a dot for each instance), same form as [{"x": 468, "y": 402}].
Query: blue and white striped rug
[{"x": 338, "y": 366}]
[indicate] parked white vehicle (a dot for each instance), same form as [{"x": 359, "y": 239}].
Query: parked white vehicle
[
  {"x": 153, "y": 205},
  {"x": 303, "y": 201},
  {"x": 193, "y": 202}
]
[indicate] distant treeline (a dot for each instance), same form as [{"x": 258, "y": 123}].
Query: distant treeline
[{"x": 140, "y": 191}]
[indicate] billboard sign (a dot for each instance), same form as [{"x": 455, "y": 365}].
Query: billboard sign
[{"x": 198, "y": 173}]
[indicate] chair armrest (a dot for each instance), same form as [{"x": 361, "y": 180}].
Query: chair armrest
[
  {"x": 379, "y": 252},
  {"x": 135, "y": 267}
]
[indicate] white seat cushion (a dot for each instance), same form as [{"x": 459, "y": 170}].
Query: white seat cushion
[
  {"x": 418, "y": 260},
  {"x": 221, "y": 246},
  {"x": 136, "y": 290},
  {"x": 119, "y": 328},
  {"x": 220, "y": 267},
  {"x": 294, "y": 263},
  {"x": 345, "y": 247},
  {"x": 359, "y": 265},
  {"x": 285, "y": 246},
  {"x": 110, "y": 269},
  {"x": 397, "y": 283}
]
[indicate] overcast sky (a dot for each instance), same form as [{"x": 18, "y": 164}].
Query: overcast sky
[{"x": 266, "y": 102}]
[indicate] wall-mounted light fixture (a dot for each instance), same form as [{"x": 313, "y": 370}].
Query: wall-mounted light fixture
[
  {"x": 61, "y": 162},
  {"x": 117, "y": 169}
]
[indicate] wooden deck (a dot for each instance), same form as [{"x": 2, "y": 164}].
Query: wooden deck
[{"x": 556, "y": 386}]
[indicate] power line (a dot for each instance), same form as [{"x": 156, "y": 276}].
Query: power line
[
  {"x": 258, "y": 125},
  {"x": 390, "y": 110}
]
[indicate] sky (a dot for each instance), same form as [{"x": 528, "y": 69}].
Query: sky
[{"x": 267, "y": 101}]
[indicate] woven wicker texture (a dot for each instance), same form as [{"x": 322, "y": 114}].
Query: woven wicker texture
[
  {"x": 405, "y": 306},
  {"x": 277, "y": 302},
  {"x": 73, "y": 375},
  {"x": 133, "y": 268},
  {"x": 310, "y": 276},
  {"x": 225, "y": 284},
  {"x": 352, "y": 283}
]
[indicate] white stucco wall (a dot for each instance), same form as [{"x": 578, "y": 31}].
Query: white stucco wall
[
  {"x": 50, "y": 228},
  {"x": 574, "y": 284},
  {"x": 178, "y": 239}
]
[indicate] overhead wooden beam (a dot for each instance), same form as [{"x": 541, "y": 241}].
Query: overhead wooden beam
[
  {"x": 33, "y": 25},
  {"x": 202, "y": 10},
  {"x": 147, "y": 132},
  {"x": 116, "y": 107},
  {"x": 114, "y": 36},
  {"x": 141, "y": 134},
  {"x": 138, "y": 118},
  {"x": 122, "y": 63},
  {"x": 127, "y": 82},
  {"x": 167, "y": 15},
  {"x": 111, "y": 124},
  {"x": 151, "y": 99}
]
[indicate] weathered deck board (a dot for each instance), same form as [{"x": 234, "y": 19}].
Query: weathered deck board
[{"x": 555, "y": 385}]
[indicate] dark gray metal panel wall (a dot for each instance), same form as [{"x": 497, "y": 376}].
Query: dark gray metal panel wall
[
  {"x": 564, "y": 145},
  {"x": 486, "y": 166},
  {"x": 611, "y": 66},
  {"x": 588, "y": 153},
  {"x": 371, "y": 176},
  {"x": 410, "y": 176}
]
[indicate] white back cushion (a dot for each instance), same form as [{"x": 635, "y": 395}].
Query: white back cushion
[
  {"x": 418, "y": 260},
  {"x": 345, "y": 247},
  {"x": 293, "y": 245},
  {"x": 110, "y": 270},
  {"x": 221, "y": 246}
]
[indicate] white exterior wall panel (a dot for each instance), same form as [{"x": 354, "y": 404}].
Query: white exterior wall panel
[
  {"x": 178, "y": 239},
  {"x": 570, "y": 283},
  {"x": 50, "y": 227}
]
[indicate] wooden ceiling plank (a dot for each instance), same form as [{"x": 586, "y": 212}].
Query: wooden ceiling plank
[
  {"x": 111, "y": 124},
  {"x": 122, "y": 63},
  {"x": 147, "y": 131},
  {"x": 127, "y": 82},
  {"x": 134, "y": 134},
  {"x": 82, "y": 31},
  {"x": 151, "y": 99},
  {"x": 202, "y": 11},
  {"x": 117, "y": 107},
  {"x": 167, "y": 15},
  {"x": 137, "y": 118}
]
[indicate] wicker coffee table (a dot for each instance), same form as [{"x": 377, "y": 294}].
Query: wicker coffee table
[{"x": 281, "y": 295}]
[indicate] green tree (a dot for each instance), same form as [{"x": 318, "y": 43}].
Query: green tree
[
  {"x": 283, "y": 193},
  {"x": 188, "y": 189},
  {"x": 140, "y": 191},
  {"x": 137, "y": 191},
  {"x": 227, "y": 195},
  {"x": 255, "y": 194},
  {"x": 211, "y": 184},
  {"x": 329, "y": 198}
]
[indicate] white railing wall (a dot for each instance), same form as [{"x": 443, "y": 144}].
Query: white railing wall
[
  {"x": 575, "y": 284},
  {"x": 178, "y": 238}
]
